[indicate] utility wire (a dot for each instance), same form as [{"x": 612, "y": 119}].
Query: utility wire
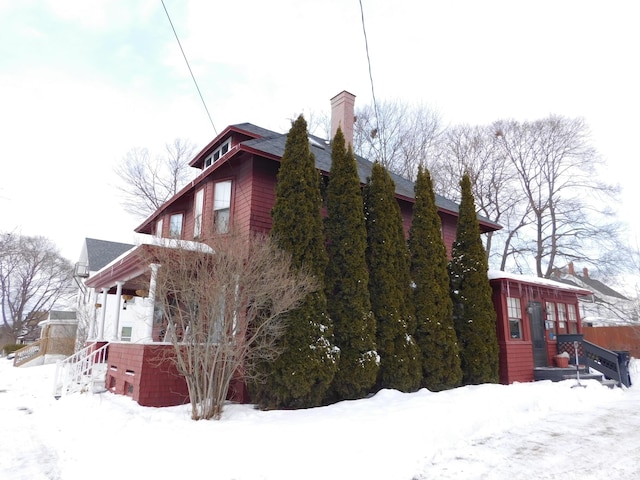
[
  {"x": 373, "y": 94},
  {"x": 189, "y": 67}
]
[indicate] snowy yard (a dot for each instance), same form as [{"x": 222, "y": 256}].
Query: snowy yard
[{"x": 538, "y": 430}]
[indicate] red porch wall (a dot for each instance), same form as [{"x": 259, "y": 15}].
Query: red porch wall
[{"x": 144, "y": 373}]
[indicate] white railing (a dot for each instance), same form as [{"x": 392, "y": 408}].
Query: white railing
[{"x": 84, "y": 369}]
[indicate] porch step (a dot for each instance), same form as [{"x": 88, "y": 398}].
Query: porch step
[{"x": 556, "y": 374}]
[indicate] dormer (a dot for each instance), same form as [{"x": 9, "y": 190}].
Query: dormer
[{"x": 217, "y": 154}]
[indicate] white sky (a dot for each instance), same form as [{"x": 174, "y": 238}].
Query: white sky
[
  {"x": 534, "y": 430},
  {"x": 84, "y": 82}
]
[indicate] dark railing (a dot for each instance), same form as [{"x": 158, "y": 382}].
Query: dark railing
[{"x": 613, "y": 365}]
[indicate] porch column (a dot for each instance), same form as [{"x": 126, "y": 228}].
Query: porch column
[
  {"x": 103, "y": 314},
  {"x": 92, "y": 314},
  {"x": 151, "y": 304},
  {"x": 115, "y": 334}
]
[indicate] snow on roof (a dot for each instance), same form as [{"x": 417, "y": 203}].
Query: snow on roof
[{"x": 497, "y": 274}]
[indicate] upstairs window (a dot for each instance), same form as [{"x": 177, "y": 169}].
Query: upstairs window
[
  {"x": 222, "y": 206},
  {"x": 159, "y": 228},
  {"x": 175, "y": 225},
  {"x": 218, "y": 153},
  {"x": 197, "y": 213},
  {"x": 514, "y": 310}
]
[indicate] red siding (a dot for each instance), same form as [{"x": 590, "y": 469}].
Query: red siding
[{"x": 516, "y": 355}]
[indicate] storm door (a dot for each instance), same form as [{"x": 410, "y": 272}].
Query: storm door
[{"x": 536, "y": 323}]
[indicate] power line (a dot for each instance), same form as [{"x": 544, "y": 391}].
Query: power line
[
  {"x": 189, "y": 67},
  {"x": 373, "y": 94}
]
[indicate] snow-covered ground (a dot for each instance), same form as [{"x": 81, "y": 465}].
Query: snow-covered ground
[{"x": 537, "y": 430}]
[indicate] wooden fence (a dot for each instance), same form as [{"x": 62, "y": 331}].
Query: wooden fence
[{"x": 622, "y": 338}]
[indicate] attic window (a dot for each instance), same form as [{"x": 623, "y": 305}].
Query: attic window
[{"x": 218, "y": 153}]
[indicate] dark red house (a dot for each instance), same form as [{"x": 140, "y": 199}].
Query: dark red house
[{"x": 235, "y": 190}]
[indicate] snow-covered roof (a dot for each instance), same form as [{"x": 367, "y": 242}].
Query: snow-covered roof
[{"x": 530, "y": 279}]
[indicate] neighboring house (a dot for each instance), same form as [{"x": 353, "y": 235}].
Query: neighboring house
[
  {"x": 605, "y": 307},
  {"x": 94, "y": 256}
]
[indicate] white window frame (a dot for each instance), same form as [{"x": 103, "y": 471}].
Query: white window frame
[
  {"x": 514, "y": 312},
  {"x": 175, "y": 228},
  {"x": 198, "y": 208},
  {"x": 123, "y": 337},
  {"x": 572, "y": 316},
  {"x": 551, "y": 316},
  {"x": 218, "y": 153},
  {"x": 159, "y": 228},
  {"x": 222, "y": 206},
  {"x": 562, "y": 316}
]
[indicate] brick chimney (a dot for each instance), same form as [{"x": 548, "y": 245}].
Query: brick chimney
[
  {"x": 585, "y": 272},
  {"x": 342, "y": 115},
  {"x": 572, "y": 271}
]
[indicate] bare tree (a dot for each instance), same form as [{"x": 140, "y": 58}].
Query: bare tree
[
  {"x": 148, "y": 182},
  {"x": 399, "y": 136},
  {"x": 567, "y": 214},
  {"x": 225, "y": 305},
  {"x": 33, "y": 277}
]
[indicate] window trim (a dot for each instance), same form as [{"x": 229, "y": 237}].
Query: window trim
[
  {"x": 198, "y": 212},
  {"x": 219, "y": 226},
  {"x": 218, "y": 153},
  {"x": 514, "y": 316},
  {"x": 172, "y": 232}
]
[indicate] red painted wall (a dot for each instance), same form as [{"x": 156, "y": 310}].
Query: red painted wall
[{"x": 516, "y": 355}]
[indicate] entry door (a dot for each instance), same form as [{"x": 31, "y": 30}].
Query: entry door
[{"x": 536, "y": 323}]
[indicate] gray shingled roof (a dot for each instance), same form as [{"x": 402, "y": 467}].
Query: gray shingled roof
[
  {"x": 274, "y": 143},
  {"x": 101, "y": 252}
]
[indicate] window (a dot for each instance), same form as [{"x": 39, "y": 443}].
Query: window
[
  {"x": 514, "y": 310},
  {"x": 159, "y": 228},
  {"x": 125, "y": 334},
  {"x": 573, "y": 319},
  {"x": 197, "y": 213},
  {"x": 222, "y": 206},
  {"x": 562, "y": 318},
  {"x": 175, "y": 225},
  {"x": 218, "y": 153},
  {"x": 550, "y": 324}
]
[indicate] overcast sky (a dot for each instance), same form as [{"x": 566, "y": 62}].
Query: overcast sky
[{"x": 82, "y": 82}]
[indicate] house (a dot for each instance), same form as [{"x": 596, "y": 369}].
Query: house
[
  {"x": 235, "y": 189},
  {"x": 57, "y": 339},
  {"x": 610, "y": 318},
  {"x": 605, "y": 306}
]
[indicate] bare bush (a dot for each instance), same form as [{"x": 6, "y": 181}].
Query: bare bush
[{"x": 225, "y": 306}]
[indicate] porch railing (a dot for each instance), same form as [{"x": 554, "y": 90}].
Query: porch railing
[
  {"x": 29, "y": 352},
  {"x": 84, "y": 369},
  {"x": 613, "y": 365}
]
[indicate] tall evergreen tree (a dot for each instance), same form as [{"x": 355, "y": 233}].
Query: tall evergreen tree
[
  {"x": 435, "y": 333},
  {"x": 474, "y": 315},
  {"x": 390, "y": 285},
  {"x": 301, "y": 375},
  {"x": 347, "y": 278}
]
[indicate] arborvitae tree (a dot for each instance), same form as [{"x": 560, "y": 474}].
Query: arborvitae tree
[
  {"x": 390, "y": 285},
  {"x": 347, "y": 278},
  {"x": 474, "y": 315},
  {"x": 301, "y": 375},
  {"x": 435, "y": 333}
]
